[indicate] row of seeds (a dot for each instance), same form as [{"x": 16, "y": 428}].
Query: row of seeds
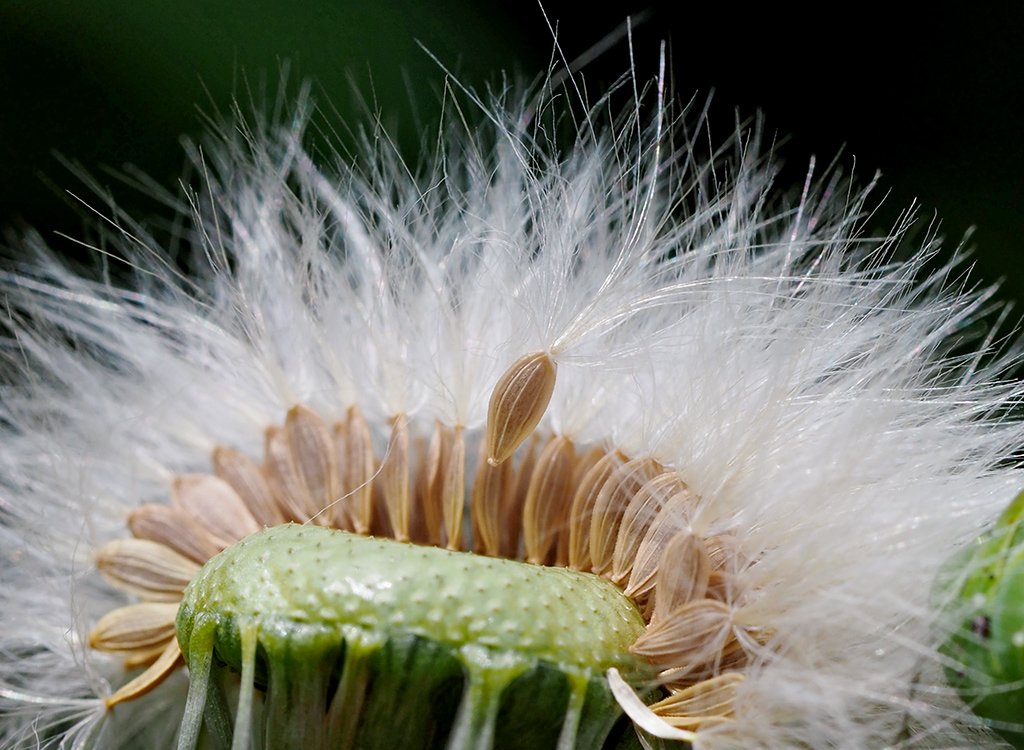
[{"x": 587, "y": 509}]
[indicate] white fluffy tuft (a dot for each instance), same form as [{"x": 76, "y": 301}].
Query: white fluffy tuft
[{"x": 821, "y": 398}]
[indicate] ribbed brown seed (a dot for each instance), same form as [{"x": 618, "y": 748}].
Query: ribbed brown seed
[
  {"x": 514, "y": 500},
  {"x": 695, "y": 705},
  {"x": 683, "y": 574},
  {"x": 380, "y": 523},
  {"x": 289, "y": 492},
  {"x": 673, "y": 517},
  {"x": 641, "y": 511},
  {"x": 172, "y": 528},
  {"x": 688, "y": 637},
  {"x": 170, "y": 659},
  {"x": 614, "y": 496},
  {"x": 518, "y": 402},
  {"x": 356, "y": 466},
  {"x": 453, "y": 500},
  {"x": 146, "y": 568},
  {"x": 546, "y": 511},
  {"x": 312, "y": 456},
  {"x": 137, "y": 627},
  {"x": 491, "y": 486},
  {"x": 584, "y": 500},
  {"x": 249, "y": 481},
  {"x": 731, "y": 658},
  {"x": 394, "y": 480},
  {"x": 144, "y": 657},
  {"x": 213, "y": 504},
  {"x": 342, "y": 512},
  {"x": 417, "y": 458},
  {"x": 582, "y": 464},
  {"x": 432, "y": 490}
]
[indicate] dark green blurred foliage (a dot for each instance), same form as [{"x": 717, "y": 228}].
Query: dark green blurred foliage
[{"x": 933, "y": 98}]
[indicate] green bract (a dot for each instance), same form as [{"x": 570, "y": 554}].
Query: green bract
[
  {"x": 397, "y": 645},
  {"x": 984, "y": 593}
]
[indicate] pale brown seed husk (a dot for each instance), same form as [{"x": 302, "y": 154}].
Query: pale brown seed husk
[
  {"x": 588, "y": 488},
  {"x": 312, "y": 458},
  {"x": 173, "y": 528},
  {"x": 357, "y": 465},
  {"x": 212, "y": 503},
  {"x": 433, "y": 475},
  {"x": 545, "y": 513},
  {"x": 518, "y": 402},
  {"x": 491, "y": 487},
  {"x": 673, "y": 518},
  {"x": 289, "y": 491},
  {"x": 169, "y": 661},
  {"x": 641, "y": 511},
  {"x": 691, "y": 707},
  {"x": 135, "y": 628},
  {"x": 395, "y": 482},
  {"x": 683, "y": 574},
  {"x": 453, "y": 498},
  {"x": 611, "y": 503},
  {"x": 249, "y": 481},
  {"x": 688, "y": 637},
  {"x": 146, "y": 568},
  {"x": 514, "y": 500}
]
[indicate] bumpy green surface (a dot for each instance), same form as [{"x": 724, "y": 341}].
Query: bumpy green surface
[
  {"x": 313, "y": 575},
  {"x": 984, "y": 593},
  {"x": 366, "y": 643}
]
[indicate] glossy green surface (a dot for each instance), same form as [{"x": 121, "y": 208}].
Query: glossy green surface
[
  {"x": 308, "y": 575},
  {"x": 356, "y": 642},
  {"x": 983, "y": 592}
]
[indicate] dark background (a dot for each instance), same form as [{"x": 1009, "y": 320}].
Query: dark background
[{"x": 931, "y": 98}]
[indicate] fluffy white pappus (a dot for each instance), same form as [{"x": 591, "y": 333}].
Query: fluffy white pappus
[{"x": 841, "y": 412}]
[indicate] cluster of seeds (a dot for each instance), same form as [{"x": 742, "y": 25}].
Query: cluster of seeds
[{"x": 532, "y": 496}]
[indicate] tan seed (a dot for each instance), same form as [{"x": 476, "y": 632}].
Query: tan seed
[
  {"x": 173, "y": 528},
  {"x": 517, "y": 404},
  {"x": 454, "y": 498},
  {"x": 546, "y": 512},
  {"x": 356, "y": 465},
  {"x": 683, "y": 574},
  {"x": 432, "y": 482},
  {"x": 135, "y": 628},
  {"x": 614, "y": 496},
  {"x": 169, "y": 661},
  {"x": 289, "y": 490},
  {"x": 491, "y": 487},
  {"x": 212, "y": 503},
  {"x": 581, "y": 515},
  {"x": 640, "y": 514},
  {"x": 146, "y": 568},
  {"x": 689, "y": 637},
  {"x": 312, "y": 459},
  {"x": 691, "y": 707},
  {"x": 394, "y": 479},
  {"x": 673, "y": 518},
  {"x": 249, "y": 481}
]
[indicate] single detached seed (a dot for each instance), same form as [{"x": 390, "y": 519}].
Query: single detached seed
[{"x": 517, "y": 404}]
